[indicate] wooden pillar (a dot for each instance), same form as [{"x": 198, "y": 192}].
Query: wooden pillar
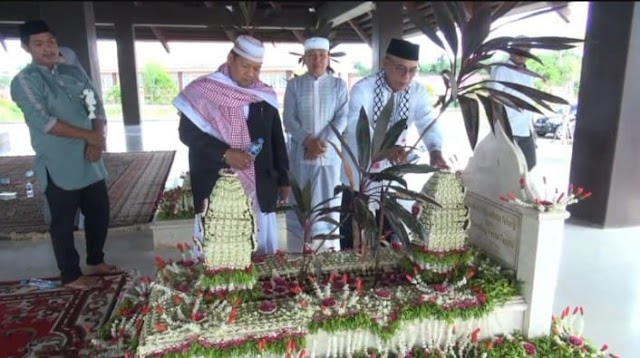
[
  {"x": 605, "y": 156},
  {"x": 125, "y": 40},
  {"x": 387, "y": 24},
  {"x": 78, "y": 35}
]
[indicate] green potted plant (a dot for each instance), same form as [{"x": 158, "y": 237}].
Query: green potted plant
[
  {"x": 173, "y": 221},
  {"x": 465, "y": 28}
]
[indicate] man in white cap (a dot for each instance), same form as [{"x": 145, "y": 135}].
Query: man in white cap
[
  {"x": 399, "y": 66},
  {"x": 312, "y": 103},
  {"x": 221, "y": 115}
]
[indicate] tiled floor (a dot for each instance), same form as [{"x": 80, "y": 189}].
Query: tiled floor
[{"x": 599, "y": 270}]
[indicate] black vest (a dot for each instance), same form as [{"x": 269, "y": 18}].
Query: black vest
[{"x": 271, "y": 165}]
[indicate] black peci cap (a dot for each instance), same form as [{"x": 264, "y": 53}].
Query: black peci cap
[{"x": 403, "y": 49}]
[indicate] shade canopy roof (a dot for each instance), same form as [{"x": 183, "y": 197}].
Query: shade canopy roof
[{"x": 273, "y": 21}]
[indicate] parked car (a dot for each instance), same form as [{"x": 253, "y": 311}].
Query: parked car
[{"x": 552, "y": 124}]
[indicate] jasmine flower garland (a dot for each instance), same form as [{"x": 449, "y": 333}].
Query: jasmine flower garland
[{"x": 90, "y": 102}]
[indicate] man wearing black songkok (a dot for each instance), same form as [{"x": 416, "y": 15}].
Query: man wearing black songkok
[{"x": 399, "y": 66}]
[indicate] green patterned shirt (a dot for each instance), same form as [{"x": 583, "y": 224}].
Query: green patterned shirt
[{"x": 46, "y": 96}]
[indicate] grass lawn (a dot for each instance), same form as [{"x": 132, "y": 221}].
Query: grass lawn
[{"x": 9, "y": 112}]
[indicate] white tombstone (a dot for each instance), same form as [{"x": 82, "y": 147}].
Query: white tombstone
[{"x": 522, "y": 239}]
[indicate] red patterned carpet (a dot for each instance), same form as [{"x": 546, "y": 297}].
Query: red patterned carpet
[
  {"x": 135, "y": 181},
  {"x": 54, "y": 323}
]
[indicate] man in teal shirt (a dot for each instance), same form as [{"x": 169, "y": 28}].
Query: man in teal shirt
[{"x": 66, "y": 122}]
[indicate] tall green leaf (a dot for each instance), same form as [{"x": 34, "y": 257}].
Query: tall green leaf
[
  {"x": 519, "y": 52},
  {"x": 446, "y": 25},
  {"x": 330, "y": 220},
  {"x": 470, "y": 114},
  {"x": 533, "y": 93},
  {"x": 306, "y": 196},
  {"x": 503, "y": 9},
  {"x": 363, "y": 135},
  {"x": 296, "y": 190},
  {"x": 515, "y": 68},
  {"x": 406, "y": 194},
  {"x": 394, "y": 208},
  {"x": 325, "y": 201},
  {"x": 488, "y": 109},
  {"x": 500, "y": 114},
  {"x": 389, "y": 176},
  {"x": 456, "y": 9},
  {"x": 381, "y": 125},
  {"x": 514, "y": 102},
  {"x": 533, "y": 14},
  {"x": 365, "y": 218},
  {"x": 345, "y": 165},
  {"x": 419, "y": 22},
  {"x": 476, "y": 31},
  {"x": 343, "y": 142},
  {"x": 399, "y": 229},
  {"x": 410, "y": 169},
  {"x": 390, "y": 139}
]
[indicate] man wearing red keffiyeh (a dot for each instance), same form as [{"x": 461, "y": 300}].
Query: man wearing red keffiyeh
[{"x": 221, "y": 114}]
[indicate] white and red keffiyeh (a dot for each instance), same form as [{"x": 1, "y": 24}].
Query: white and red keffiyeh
[{"x": 216, "y": 104}]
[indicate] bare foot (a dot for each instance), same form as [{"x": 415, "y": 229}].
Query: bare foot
[
  {"x": 83, "y": 283},
  {"x": 102, "y": 269}
]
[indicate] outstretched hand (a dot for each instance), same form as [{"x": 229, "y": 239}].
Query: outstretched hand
[
  {"x": 397, "y": 155},
  {"x": 436, "y": 160}
]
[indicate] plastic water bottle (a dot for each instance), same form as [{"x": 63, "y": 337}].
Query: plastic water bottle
[
  {"x": 28, "y": 186},
  {"x": 39, "y": 283},
  {"x": 413, "y": 158},
  {"x": 255, "y": 147}
]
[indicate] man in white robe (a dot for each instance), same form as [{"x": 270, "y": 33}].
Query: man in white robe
[
  {"x": 521, "y": 121},
  {"x": 221, "y": 115},
  {"x": 411, "y": 101},
  {"x": 312, "y": 103}
]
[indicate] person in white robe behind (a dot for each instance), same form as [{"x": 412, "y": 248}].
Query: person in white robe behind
[
  {"x": 312, "y": 102},
  {"x": 221, "y": 115}
]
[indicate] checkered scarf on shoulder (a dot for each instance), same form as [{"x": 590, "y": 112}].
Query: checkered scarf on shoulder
[
  {"x": 378, "y": 99},
  {"x": 221, "y": 105}
]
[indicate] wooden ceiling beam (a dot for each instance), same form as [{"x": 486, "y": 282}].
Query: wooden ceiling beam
[
  {"x": 17, "y": 12},
  {"x": 3, "y": 43},
  {"x": 298, "y": 34},
  {"x": 231, "y": 35},
  {"x": 176, "y": 14},
  {"x": 339, "y": 12},
  {"x": 564, "y": 13},
  {"x": 159, "y": 34},
  {"x": 360, "y": 33},
  {"x": 537, "y": 6}
]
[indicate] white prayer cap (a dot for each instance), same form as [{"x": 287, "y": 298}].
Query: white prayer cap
[
  {"x": 316, "y": 43},
  {"x": 249, "y": 48}
]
